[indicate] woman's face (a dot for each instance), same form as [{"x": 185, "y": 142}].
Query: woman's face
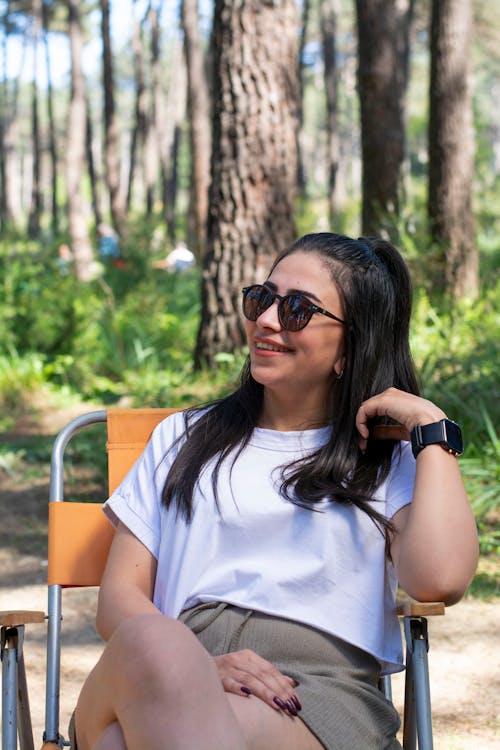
[{"x": 304, "y": 362}]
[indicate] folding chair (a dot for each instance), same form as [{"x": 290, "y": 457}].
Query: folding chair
[{"x": 79, "y": 540}]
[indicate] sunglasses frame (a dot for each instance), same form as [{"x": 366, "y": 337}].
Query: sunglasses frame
[{"x": 281, "y": 301}]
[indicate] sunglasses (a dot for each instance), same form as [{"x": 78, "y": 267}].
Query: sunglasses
[{"x": 294, "y": 310}]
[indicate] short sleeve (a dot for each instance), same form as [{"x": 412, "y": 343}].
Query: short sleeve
[{"x": 401, "y": 479}]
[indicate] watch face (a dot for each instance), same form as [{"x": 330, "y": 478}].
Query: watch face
[{"x": 454, "y": 436}]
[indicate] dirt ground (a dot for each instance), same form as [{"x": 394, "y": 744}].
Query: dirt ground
[{"x": 464, "y": 656}]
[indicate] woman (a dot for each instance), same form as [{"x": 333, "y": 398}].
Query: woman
[{"x": 248, "y": 599}]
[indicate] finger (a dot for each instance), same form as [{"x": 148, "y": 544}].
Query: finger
[
  {"x": 270, "y": 685},
  {"x": 289, "y": 704},
  {"x": 236, "y": 687},
  {"x": 275, "y": 689}
]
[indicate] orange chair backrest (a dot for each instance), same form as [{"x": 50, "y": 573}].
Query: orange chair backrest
[{"x": 79, "y": 533}]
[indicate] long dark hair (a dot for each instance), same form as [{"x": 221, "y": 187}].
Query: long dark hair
[{"x": 374, "y": 285}]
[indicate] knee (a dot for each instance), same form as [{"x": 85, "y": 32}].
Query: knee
[{"x": 153, "y": 649}]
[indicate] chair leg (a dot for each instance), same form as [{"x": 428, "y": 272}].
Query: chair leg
[
  {"x": 409, "y": 720},
  {"x": 418, "y": 717},
  {"x": 385, "y": 686},
  {"x": 24, "y": 725},
  {"x": 9, "y": 688},
  {"x": 16, "y": 717}
]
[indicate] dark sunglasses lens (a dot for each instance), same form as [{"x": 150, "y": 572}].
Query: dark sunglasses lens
[
  {"x": 295, "y": 312},
  {"x": 256, "y": 300}
]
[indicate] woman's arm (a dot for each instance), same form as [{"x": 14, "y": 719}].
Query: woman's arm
[
  {"x": 435, "y": 546},
  {"x": 127, "y": 584}
]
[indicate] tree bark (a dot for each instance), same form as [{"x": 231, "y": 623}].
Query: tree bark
[
  {"x": 111, "y": 129},
  {"x": 75, "y": 154},
  {"x": 383, "y": 52},
  {"x": 329, "y": 15},
  {"x": 254, "y": 160},
  {"x": 199, "y": 125},
  {"x": 451, "y": 147}
]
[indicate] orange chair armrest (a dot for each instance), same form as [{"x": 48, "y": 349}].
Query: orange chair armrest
[{"x": 80, "y": 536}]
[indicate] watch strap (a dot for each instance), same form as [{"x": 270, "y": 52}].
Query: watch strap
[{"x": 445, "y": 433}]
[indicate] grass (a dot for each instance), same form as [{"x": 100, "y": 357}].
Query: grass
[{"x": 486, "y": 583}]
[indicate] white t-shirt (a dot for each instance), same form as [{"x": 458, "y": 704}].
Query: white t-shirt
[{"x": 325, "y": 567}]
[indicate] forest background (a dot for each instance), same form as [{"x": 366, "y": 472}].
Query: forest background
[{"x": 127, "y": 128}]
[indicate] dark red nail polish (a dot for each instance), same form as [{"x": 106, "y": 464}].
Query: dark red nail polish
[
  {"x": 291, "y": 708},
  {"x": 246, "y": 690},
  {"x": 296, "y": 702},
  {"x": 281, "y": 704}
]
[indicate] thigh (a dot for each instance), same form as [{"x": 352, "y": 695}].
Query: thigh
[{"x": 264, "y": 728}]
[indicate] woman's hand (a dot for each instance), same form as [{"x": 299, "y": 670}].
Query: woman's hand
[
  {"x": 246, "y": 673},
  {"x": 404, "y": 408}
]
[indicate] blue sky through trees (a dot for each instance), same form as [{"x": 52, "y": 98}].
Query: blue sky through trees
[{"x": 19, "y": 52}]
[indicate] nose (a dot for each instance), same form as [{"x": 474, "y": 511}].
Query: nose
[{"x": 269, "y": 318}]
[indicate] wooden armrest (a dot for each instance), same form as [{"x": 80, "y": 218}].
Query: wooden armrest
[
  {"x": 13, "y": 618},
  {"x": 389, "y": 432},
  {"x": 420, "y": 609}
]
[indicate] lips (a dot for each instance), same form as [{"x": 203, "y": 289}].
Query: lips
[{"x": 270, "y": 347}]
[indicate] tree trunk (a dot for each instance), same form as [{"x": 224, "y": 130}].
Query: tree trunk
[
  {"x": 329, "y": 15},
  {"x": 152, "y": 159},
  {"x": 75, "y": 154},
  {"x": 11, "y": 147},
  {"x": 254, "y": 160},
  {"x": 111, "y": 129},
  {"x": 138, "y": 132},
  {"x": 383, "y": 50},
  {"x": 451, "y": 146},
  {"x": 4, "y": 207},
  {"x": 171, "y": 185},
  {"x": 174, "y": 118},
  {"x": 199, "y": 125},
  {"x": 301, "y": 172},
  {"x": 5, "y": 214},
  {"x": 36, "y": 190},
  {"x": 52, "y": 128},
  {"x": 93, "y": 177}
]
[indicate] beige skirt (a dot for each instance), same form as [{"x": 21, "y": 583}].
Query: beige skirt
[{"x": 338, "y": 683}]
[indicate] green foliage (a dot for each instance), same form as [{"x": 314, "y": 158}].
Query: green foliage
[
  {"x": 37, "y": 300},
  {"x": 130, "y": 335},
  {"x": 456, "y": 353},
  {"x": 19, "y": 376}
]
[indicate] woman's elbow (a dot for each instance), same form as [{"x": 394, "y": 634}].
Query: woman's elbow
[{"x": 448, "y": 588}]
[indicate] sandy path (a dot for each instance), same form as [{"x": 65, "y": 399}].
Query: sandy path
[{"x": 464, "y": 664}]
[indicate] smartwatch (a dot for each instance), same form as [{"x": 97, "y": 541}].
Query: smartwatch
[{"x": 445, "y": 433}]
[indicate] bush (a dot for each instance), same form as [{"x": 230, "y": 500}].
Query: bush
[{"x": 131, "y": 334}]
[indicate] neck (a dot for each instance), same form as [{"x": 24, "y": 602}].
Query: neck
[{"x": 285, "y": 414}]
